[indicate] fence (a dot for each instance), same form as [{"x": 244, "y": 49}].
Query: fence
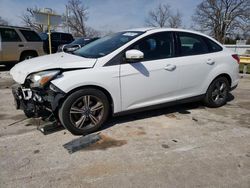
[{"x": 239, "y": 49}]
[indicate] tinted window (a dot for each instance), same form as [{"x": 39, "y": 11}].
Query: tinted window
[
  {"x": 79, "y": 41},
  {"x": 30, "y": 35},
  {"x": 66, "y": 37},
  {"x": 213, "y": 47},
  {"x": 156, "y": 46},
  {"x": 106, "y": 45},
  {"x": 191, "y": 44},
  {"x": 9, "y": 35},
  {"x": 55, "y": 36},
  {"x": 43, "y": 36}
]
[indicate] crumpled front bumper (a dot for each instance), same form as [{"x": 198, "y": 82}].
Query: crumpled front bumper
[{"x": 37, "y": 102}]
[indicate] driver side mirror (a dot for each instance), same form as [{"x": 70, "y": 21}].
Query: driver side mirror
[{"x": 133, "y": 56}]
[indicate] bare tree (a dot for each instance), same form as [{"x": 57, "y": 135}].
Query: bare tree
[
  {"x": 219, "y": 17},
  {"x": 3, "y": 21},
  {"x": 77, "y": 16},
  {"x": 159, "y": 16},
  {"x": 162, "y": 16},
  {"x": 91, "y": 33},
  {"x": 175, "y": 20},
  {"x": 28, "y": 19}
]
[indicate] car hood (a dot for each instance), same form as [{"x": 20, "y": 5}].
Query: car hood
[{"x": 54, "y": 61}]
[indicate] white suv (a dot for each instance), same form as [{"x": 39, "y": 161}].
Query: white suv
[{"x": 124, "y": 72}]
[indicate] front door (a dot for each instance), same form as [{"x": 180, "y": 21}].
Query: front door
[
  {"x": 154, "y": 80},
  {"x": 11, "y": 44}
]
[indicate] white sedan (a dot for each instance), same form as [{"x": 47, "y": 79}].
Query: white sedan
[{"x": 125, "y": 72}]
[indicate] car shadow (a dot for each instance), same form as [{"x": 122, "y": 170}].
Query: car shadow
[
  {"x": 112, "y": 121},
  {"x": 182, "y": 109}
]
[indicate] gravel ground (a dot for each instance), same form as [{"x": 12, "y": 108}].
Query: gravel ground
[{"x": 182, "y": 146}]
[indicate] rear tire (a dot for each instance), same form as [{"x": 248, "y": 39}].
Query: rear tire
[
  {"x": 84, "y": 111},
  {"x": 217, "y": 93}
]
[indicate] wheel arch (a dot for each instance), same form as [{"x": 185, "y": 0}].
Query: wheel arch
[
  {"x": 227, "y": 76},
  {"x": 28, "y": 52},
  {"x": 106, "y": 92}
]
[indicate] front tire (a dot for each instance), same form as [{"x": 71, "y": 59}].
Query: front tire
[
  {"x": 217, "y": 93},
  {"x": 84, "y": 111}
]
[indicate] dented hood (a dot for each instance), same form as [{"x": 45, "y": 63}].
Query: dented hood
[{"x": 54, "y": 61}]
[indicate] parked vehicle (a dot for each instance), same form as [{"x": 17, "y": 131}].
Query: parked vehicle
[
  {"x": 18, "y": 44},
  {"x": 75, "y": 45},
  {"x": 125, "y": 72},
  {"x": 57, "y": 39}
]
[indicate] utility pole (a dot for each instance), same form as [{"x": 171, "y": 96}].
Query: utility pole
[{"x": 67, "y": 17}]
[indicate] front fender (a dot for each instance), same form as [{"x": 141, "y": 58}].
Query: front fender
[{"x": 104, "y": 77}]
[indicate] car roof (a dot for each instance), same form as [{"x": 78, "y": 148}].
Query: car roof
[
  {"x": 152, "y": 30},
  {"x": 17, "y": 27},
  {"x": 157, "y": 29},
  {"x": 55, "y": 32}
]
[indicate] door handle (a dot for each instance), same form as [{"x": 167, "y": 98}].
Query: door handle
[
  {"x": 20, "y": 45},
  {"x": 170, "y": 67},
  {"x": 210, "y": 62}
]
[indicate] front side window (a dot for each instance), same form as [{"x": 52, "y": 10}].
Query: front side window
[
  {"x": 106, "y": 45},
  {"x": 30, "y": 36},
  {"x": 192, "y": 44},
  {"x": 156, "y": 46},
  {"x": 9, "y": 35}
]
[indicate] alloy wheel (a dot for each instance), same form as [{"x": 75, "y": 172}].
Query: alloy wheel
[
  {"x": 86, "y": 112},
  {"x": 219, "y": 92}
]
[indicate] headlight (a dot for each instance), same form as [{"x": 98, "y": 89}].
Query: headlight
[{"x": 42, "y": 78}]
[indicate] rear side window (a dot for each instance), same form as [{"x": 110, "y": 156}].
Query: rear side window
[
  {"x": 9, "y": 35},
  {"x": 213, "y": 47},
  {"x": 30, "y": 36},
  {"x": 67, "y": 37},
  {"x": 192, "y": 44},
  {"x": 156, "y": 46}
]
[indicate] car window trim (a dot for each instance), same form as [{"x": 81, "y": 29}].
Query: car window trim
[
  {"x": 179, "y": 44},
  {"x": 19, "y": 38},
  {"x": 110, "y": 63}
]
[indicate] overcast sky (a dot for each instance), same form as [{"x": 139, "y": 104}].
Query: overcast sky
[{"x": 105, "y": 15}]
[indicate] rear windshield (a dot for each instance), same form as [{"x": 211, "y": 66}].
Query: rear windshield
[
  {"x": 106, "y": 45},
  {"x": 30, "y": 36},
  {"x": 43, "y": 36}
]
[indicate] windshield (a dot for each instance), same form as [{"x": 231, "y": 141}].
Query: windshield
[
  {"x": 106, "y": 45},
  {"x": 78, "y": 41}
]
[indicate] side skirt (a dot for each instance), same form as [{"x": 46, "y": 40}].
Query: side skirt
[{"x": 158, "y": 106}]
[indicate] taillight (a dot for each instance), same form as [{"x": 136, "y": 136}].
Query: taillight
[{"x": 236, "y": 57}]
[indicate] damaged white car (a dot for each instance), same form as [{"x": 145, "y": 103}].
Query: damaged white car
[{"x": 124, "y": 72}]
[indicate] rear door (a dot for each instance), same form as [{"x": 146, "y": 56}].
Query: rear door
[
  {"x": 33, "y": 41},
  {"x": 11, "y": 44},
  {"x": 194, "y": 62},
  {"x": 55, "y": 41}
]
